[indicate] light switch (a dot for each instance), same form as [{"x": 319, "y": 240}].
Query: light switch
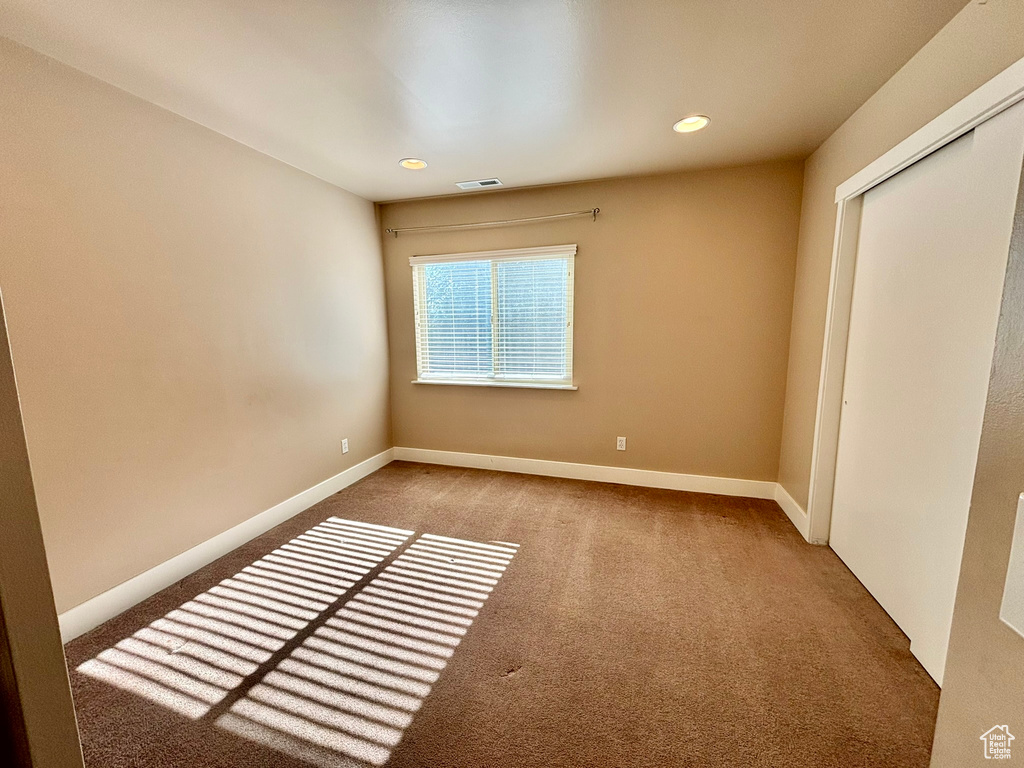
[{"x": 1012, "y": 610}]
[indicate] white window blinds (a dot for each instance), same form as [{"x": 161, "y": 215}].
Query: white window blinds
[{"x": 495, "y": 317}]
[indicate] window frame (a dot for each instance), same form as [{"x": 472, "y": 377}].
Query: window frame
[{"x": 566, "y": 252}]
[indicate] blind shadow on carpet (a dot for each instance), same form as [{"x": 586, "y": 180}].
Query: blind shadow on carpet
[{"x": 324, "y": 649}]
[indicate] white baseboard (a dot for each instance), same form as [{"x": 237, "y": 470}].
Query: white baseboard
[
  {"x": 726, "y": 486},
  {"x": 92, "y": 613},
  {"x": 794, "y": 511},
  {"x": 103, "y": 607}
]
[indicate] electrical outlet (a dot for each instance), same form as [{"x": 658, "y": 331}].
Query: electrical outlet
[
  {"x": 344, "y": 445},
  {"x": 620, "y": 443}
]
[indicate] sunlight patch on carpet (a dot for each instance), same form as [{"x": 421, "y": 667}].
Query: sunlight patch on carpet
[
  {"x": 190, "y": 659},
  {"x": 323, "y": 649},
  {"x": 345, "y": 695}
]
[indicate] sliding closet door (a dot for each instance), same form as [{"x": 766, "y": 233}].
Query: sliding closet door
[{"x": 932, "y": 253}]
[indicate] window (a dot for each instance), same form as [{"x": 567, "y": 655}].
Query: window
[{"x": 496, "y": 318}]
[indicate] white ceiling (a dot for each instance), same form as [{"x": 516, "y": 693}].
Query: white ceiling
[{"x": 530, "y": 91}]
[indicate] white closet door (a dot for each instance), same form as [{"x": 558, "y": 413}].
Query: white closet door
[{"x": 932, "y": 253}]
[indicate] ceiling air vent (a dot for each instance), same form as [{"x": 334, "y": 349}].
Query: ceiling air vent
[{"x": 478, "y": 184}]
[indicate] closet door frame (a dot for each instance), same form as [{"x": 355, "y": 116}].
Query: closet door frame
[{"x": 1001, "y": 92}]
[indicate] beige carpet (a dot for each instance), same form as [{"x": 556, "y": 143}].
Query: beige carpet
[{"x": 431, "y": 617}]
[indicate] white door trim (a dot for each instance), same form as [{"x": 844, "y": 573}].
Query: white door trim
[{"x": 1001, "y": 92}]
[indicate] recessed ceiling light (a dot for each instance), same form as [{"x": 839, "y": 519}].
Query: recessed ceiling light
[
  {"x": 691, "y": 124},
  {"x": 412, "y": 163}
]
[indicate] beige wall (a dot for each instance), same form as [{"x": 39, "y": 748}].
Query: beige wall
[
  {"x": 984, "y": 680},
  {"x": 977, "y": 44},
  {"x": 195, "y": 326},
  {"x": 683, "y": 296}
]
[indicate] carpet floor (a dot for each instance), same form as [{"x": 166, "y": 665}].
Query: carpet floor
[{"x": 432, "y": 617}]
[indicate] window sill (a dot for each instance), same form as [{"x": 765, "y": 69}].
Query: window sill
[{"x": 506, "y": 384}]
